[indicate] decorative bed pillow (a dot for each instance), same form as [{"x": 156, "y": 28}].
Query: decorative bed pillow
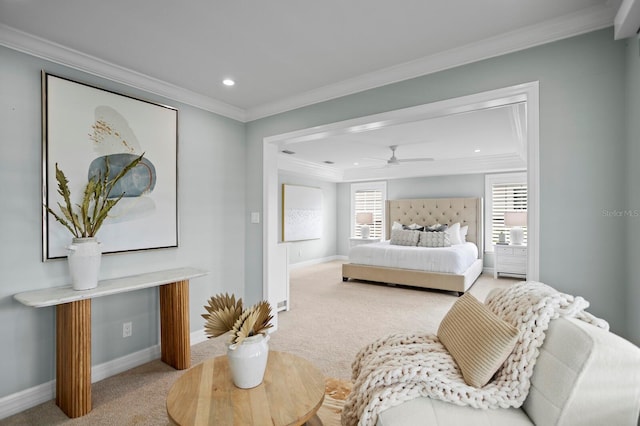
[
  {"x": 454, "y": 233},
  {"x": 436, "y": 228},
  {"x": 434, "y": 239},
  {"x": 396, "y": 225},
  {"x": 464, "y": 230},
  {"x": 404, "y": 237},
  {"x": 413, "y": 227},
  {"x": 478, "y": 340}
]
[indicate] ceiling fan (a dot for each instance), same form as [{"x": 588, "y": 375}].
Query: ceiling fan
[{"x": 395, "y": 161}]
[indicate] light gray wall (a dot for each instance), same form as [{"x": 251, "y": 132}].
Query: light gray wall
[
  {"x": 436, "y": 187},
  {"x": 631, "y": 223},
  {"x": 301, "y": 251},
  {"x": 344, "y": 218},
  {"x": 212, "y": 220},
  {"x": 582, "y": 155}
]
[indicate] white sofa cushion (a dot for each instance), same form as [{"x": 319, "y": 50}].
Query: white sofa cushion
[
  {"x": 584, "y": 376},
  {"x": 432, "y": 412}
]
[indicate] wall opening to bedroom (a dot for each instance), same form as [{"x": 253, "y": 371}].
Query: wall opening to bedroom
[{"x": 523, "y": 94}]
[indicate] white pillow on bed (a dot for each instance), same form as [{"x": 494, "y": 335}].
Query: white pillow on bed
[
  {"x": 454, "y": 234},
  {"x": 396, "y": 225},
  {"x": 464, "y": 230}
]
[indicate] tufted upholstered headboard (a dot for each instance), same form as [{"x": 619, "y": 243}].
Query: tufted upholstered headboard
[{"x": 429, "y": 211}]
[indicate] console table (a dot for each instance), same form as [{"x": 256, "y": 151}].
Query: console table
[{"x": 73, "y": 328}]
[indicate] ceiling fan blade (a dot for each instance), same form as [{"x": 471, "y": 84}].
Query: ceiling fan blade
[{"x": 408, "y": 160}]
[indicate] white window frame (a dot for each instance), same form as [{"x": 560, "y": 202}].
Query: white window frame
[
  {"x": 489, "y": 181},
  {"x": 367, "y": 186}
]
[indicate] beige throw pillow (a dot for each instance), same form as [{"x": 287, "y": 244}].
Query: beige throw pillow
[{"x": 478, "y": 340}]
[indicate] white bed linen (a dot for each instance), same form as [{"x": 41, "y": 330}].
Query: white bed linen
[{"x": 452, "y": 260}]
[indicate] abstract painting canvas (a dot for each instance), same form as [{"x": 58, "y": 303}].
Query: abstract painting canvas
[
  {"x": 84, "y": 128},
  {"x": 301, "y": 213}
]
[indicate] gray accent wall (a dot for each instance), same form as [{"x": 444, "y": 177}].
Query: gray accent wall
[
  {"x": 212, "y": 221},
  {"x": 583, "y": 151}
]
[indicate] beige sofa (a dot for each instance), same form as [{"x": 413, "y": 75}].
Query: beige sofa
[{"x": 584, "y": 376}]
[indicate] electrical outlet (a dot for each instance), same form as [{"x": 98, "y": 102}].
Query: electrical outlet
[{"x": 127, "y": 329}]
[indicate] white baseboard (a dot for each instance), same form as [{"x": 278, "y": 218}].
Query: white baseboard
[
  {"x": 316, "y": 261},
  {"x": 23, "y": 400},
  {"x": 198, "y": 337},
  {"x": 127, "y": 362}
]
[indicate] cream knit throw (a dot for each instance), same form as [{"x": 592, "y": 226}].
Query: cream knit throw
[{"x": 402, "y": 367}]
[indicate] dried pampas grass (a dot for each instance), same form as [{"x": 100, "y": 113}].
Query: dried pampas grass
[{"x": 225, "y": 314}]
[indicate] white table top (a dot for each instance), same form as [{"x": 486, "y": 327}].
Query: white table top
[{"x": 59, "y": 295}]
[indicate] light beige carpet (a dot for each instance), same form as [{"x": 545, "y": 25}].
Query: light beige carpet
[{"x": 328, "y": 323}]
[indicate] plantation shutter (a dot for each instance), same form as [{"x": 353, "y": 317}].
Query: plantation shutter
[
  {"x": 369, "y": 201},
  {"x": 507, "y": 197}
]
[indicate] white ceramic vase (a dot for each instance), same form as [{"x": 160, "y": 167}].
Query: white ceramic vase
[
  {"x": 248, "y": 361},
  {"x": 84, "y": 263}
]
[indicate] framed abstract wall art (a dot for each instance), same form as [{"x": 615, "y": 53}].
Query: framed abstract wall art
[
  {"x": 301, "y": 213},
  {"x": 84, "y": 128}
]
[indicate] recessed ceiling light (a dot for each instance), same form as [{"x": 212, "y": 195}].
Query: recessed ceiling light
[
  {"x": 356, "y": 164},
  {"x": 228, "y": 82},
  {"x": 477, "y": 150}
]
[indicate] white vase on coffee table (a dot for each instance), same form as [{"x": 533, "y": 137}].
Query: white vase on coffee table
[{"x": 248, "y": 361}]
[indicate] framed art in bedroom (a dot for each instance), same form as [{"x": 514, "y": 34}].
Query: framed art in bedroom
[
  {"x": 301, "y": 213},
  {"x": 84, "y": 127}
]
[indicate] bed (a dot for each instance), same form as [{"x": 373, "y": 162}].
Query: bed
[{"x": 387, "y": 263}]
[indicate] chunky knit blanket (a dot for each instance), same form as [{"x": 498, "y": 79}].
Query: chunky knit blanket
[{"x": 402, "y": 367}]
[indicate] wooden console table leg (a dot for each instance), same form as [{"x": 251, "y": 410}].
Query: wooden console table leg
[
  {"x": 73, "y": 357},
  {"x": 175, "y": 344}
]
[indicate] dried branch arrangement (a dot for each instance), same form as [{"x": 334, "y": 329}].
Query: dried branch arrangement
[
  {"x": 225, "y": 314},
  {"x": 87, "y": 218}
]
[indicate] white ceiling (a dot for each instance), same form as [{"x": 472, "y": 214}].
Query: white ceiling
[
  {"x": 483, "y": 140},
  {"x": 289, "y": 53},
  {"x": 284, "y": 53}
]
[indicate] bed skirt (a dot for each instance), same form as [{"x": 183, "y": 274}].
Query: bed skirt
[{"x": 434, "y": 280}]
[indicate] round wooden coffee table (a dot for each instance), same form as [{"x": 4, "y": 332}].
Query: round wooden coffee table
[{"x": 290, "y": 394}]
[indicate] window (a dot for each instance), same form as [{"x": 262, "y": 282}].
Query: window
[
  {"x": 503, "y": 192},
  {"x": 368, "y": 198}
]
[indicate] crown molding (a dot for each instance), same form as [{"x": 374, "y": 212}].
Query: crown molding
[
  {"x": 627, "y": 19},
  {"x": 589, "y": 19},
  {"x": 45, "y": 49}
]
